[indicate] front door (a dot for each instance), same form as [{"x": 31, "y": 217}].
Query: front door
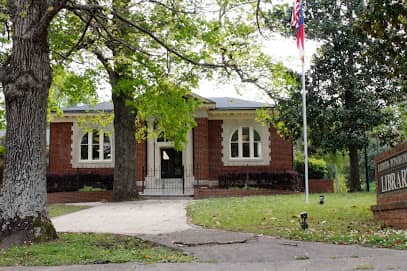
[{"x": 171, "y": 163}]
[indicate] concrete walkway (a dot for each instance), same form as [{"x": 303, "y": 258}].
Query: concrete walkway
[
  {"x": 164, "y": 222},
  {"x": 132, "y": 218}
]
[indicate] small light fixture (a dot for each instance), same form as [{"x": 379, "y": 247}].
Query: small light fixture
[
  {"x": 321, "y": 199},
  {"x": 303, "y": 220}
]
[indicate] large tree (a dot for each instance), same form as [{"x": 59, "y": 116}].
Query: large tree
[
  {"x": 163, "y": 57},
  {"x": 26, "y": 77},
  {"x": 347, "y": 89}
]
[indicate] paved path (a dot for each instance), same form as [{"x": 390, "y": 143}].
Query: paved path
[
  {"x": 133, "y": 218},
  {"x": 164, "y": 222}
]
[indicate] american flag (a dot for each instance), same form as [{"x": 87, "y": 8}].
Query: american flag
[{"x": 297, "y": 21}]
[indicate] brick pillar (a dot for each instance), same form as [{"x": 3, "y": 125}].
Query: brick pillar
[
  {"x": 201, "y": 149},
  {"x": 281, "y": 151},
  {"x": 141, "y": 160},
  {"x": 60, "y": 148}
]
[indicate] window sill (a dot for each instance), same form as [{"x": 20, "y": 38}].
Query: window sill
[
  {"x": 93, "y": 164},
  {"x": 245, "y": 161}
]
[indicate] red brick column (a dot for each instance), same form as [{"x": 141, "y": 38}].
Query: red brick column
[
  {"x": 281, "y": 151},
  {"x": 60, "y": 149},
  {"x": 141, "y": 160},
  {"x": 201, "y": 150}
]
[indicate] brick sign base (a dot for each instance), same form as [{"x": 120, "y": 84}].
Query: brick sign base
[{"x": 391, "y": 184}]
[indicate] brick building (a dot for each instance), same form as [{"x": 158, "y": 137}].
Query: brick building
[{"x": 226, "y": 139}]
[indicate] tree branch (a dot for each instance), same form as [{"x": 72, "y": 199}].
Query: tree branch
[
  {"x": 226, "y": 64},
  {"x": 171, "y": 8},
  {"x": 105, "y": 62},
  {"x": 258, "y": 10},
  {"x": 46, "y": 19},
  {"x": 166, "y": 46},
  {"x": 78, "y": 43}
]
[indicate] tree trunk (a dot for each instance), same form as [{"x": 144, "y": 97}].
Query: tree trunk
[
  {"x": 23, "y": 198},
  {"x": 354, "y": 179},
  {"x": 124, "y": 184}
]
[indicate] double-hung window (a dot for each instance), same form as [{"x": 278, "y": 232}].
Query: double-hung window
[
  {"x": 245, "y": 143},
  {"x": 95, "y": 146}
]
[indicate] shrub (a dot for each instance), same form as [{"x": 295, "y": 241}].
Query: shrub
[
  {"x": 317, "y": 168},
  {"x": 74, "y": 182},
  {"x": 287, "y": 180}
]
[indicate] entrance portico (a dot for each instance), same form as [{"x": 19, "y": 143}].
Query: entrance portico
[{"x": 169, "y": 172}]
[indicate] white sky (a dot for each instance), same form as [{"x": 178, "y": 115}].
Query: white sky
[{"x": 284, "y": 50}]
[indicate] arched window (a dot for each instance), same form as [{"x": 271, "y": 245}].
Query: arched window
[
  {"x": 245, "y": 143},
  {"x": 96, "y": 146}
]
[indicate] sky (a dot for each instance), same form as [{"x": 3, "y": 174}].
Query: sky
[{"x": 281, "y": 49}]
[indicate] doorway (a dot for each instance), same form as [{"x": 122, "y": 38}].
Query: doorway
[{"x": 171, "y": 163}]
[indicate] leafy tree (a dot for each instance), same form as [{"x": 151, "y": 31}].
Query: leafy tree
[
  {"x": 385, "y": 21},
  {"x": 347, "y": 90},
  {"x": 25, "y": 74},
  {"x": 164, "y": 28},
  {"x": 153, "y": 66}
]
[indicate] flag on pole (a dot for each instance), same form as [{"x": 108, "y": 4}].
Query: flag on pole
[{"x": 297, "y": 21}]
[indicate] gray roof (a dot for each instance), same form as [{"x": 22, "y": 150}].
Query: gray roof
[
  {"x": 229, "y": 103},
  {"x": 100, "y": 107},
  {"x": 222, "y": 103}
]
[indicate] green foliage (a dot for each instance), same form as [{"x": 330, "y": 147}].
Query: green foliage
[
  {"x": 349, "y": 92},
  {"x": 69, "y": 88},
  {"x": 385, "y": 21},
  {"x": 172, "y": 109},
  {"x": 99, "y": 121},
  {"x": 317, "y": 168},
  {"x": 80, "y": 248},
  {"x": 343, "y": 219}
]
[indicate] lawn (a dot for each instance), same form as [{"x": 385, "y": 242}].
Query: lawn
[
  {"x": 345, "y": 218},
  {"x": 88, "y": 249},
  {"x": 62, "y": 209}
]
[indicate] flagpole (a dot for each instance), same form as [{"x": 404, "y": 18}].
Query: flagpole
[{"x": 304, "y": 118}]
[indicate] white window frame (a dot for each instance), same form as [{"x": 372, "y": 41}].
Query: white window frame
[
  {"x": 229, "y": 126},
  {"x": 240, "y": 144},
  {"x": 102, "y": 133},
  {"x": 77, "y": 162}
]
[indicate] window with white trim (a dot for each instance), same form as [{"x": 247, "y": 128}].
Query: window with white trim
[
  {"x": 245, "y": 143},
  {"x": 95, "y": 146}
]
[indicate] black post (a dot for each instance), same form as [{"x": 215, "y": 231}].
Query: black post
[
  {"x": 143, "y": 179},
  {"x": 247, "y": 177},
  {"x": 366, "y": 171},
  {"x": 183, "y": 181}
]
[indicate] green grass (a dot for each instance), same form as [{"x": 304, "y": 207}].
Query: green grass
[
  {"x": 345, "y": 218},
  {"x": 89, "y": 248},
  {"x": 62, "y": 209},
  {"x": 91, "y": 189}
]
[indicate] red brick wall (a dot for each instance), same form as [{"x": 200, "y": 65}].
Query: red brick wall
[
  {"x": 60, "y": 148},
  {"x": 281, "y": 153},
  {"x": 215, "y": 148},
  {"x": 207, "y": 152},
  {"x": 141, "y": 160},
  {"x": 201, "y": 150},
  {"x": 321, "y": 186},
  {"x": 60, "y": 151},
  {"x": 71, "y": 197}
]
